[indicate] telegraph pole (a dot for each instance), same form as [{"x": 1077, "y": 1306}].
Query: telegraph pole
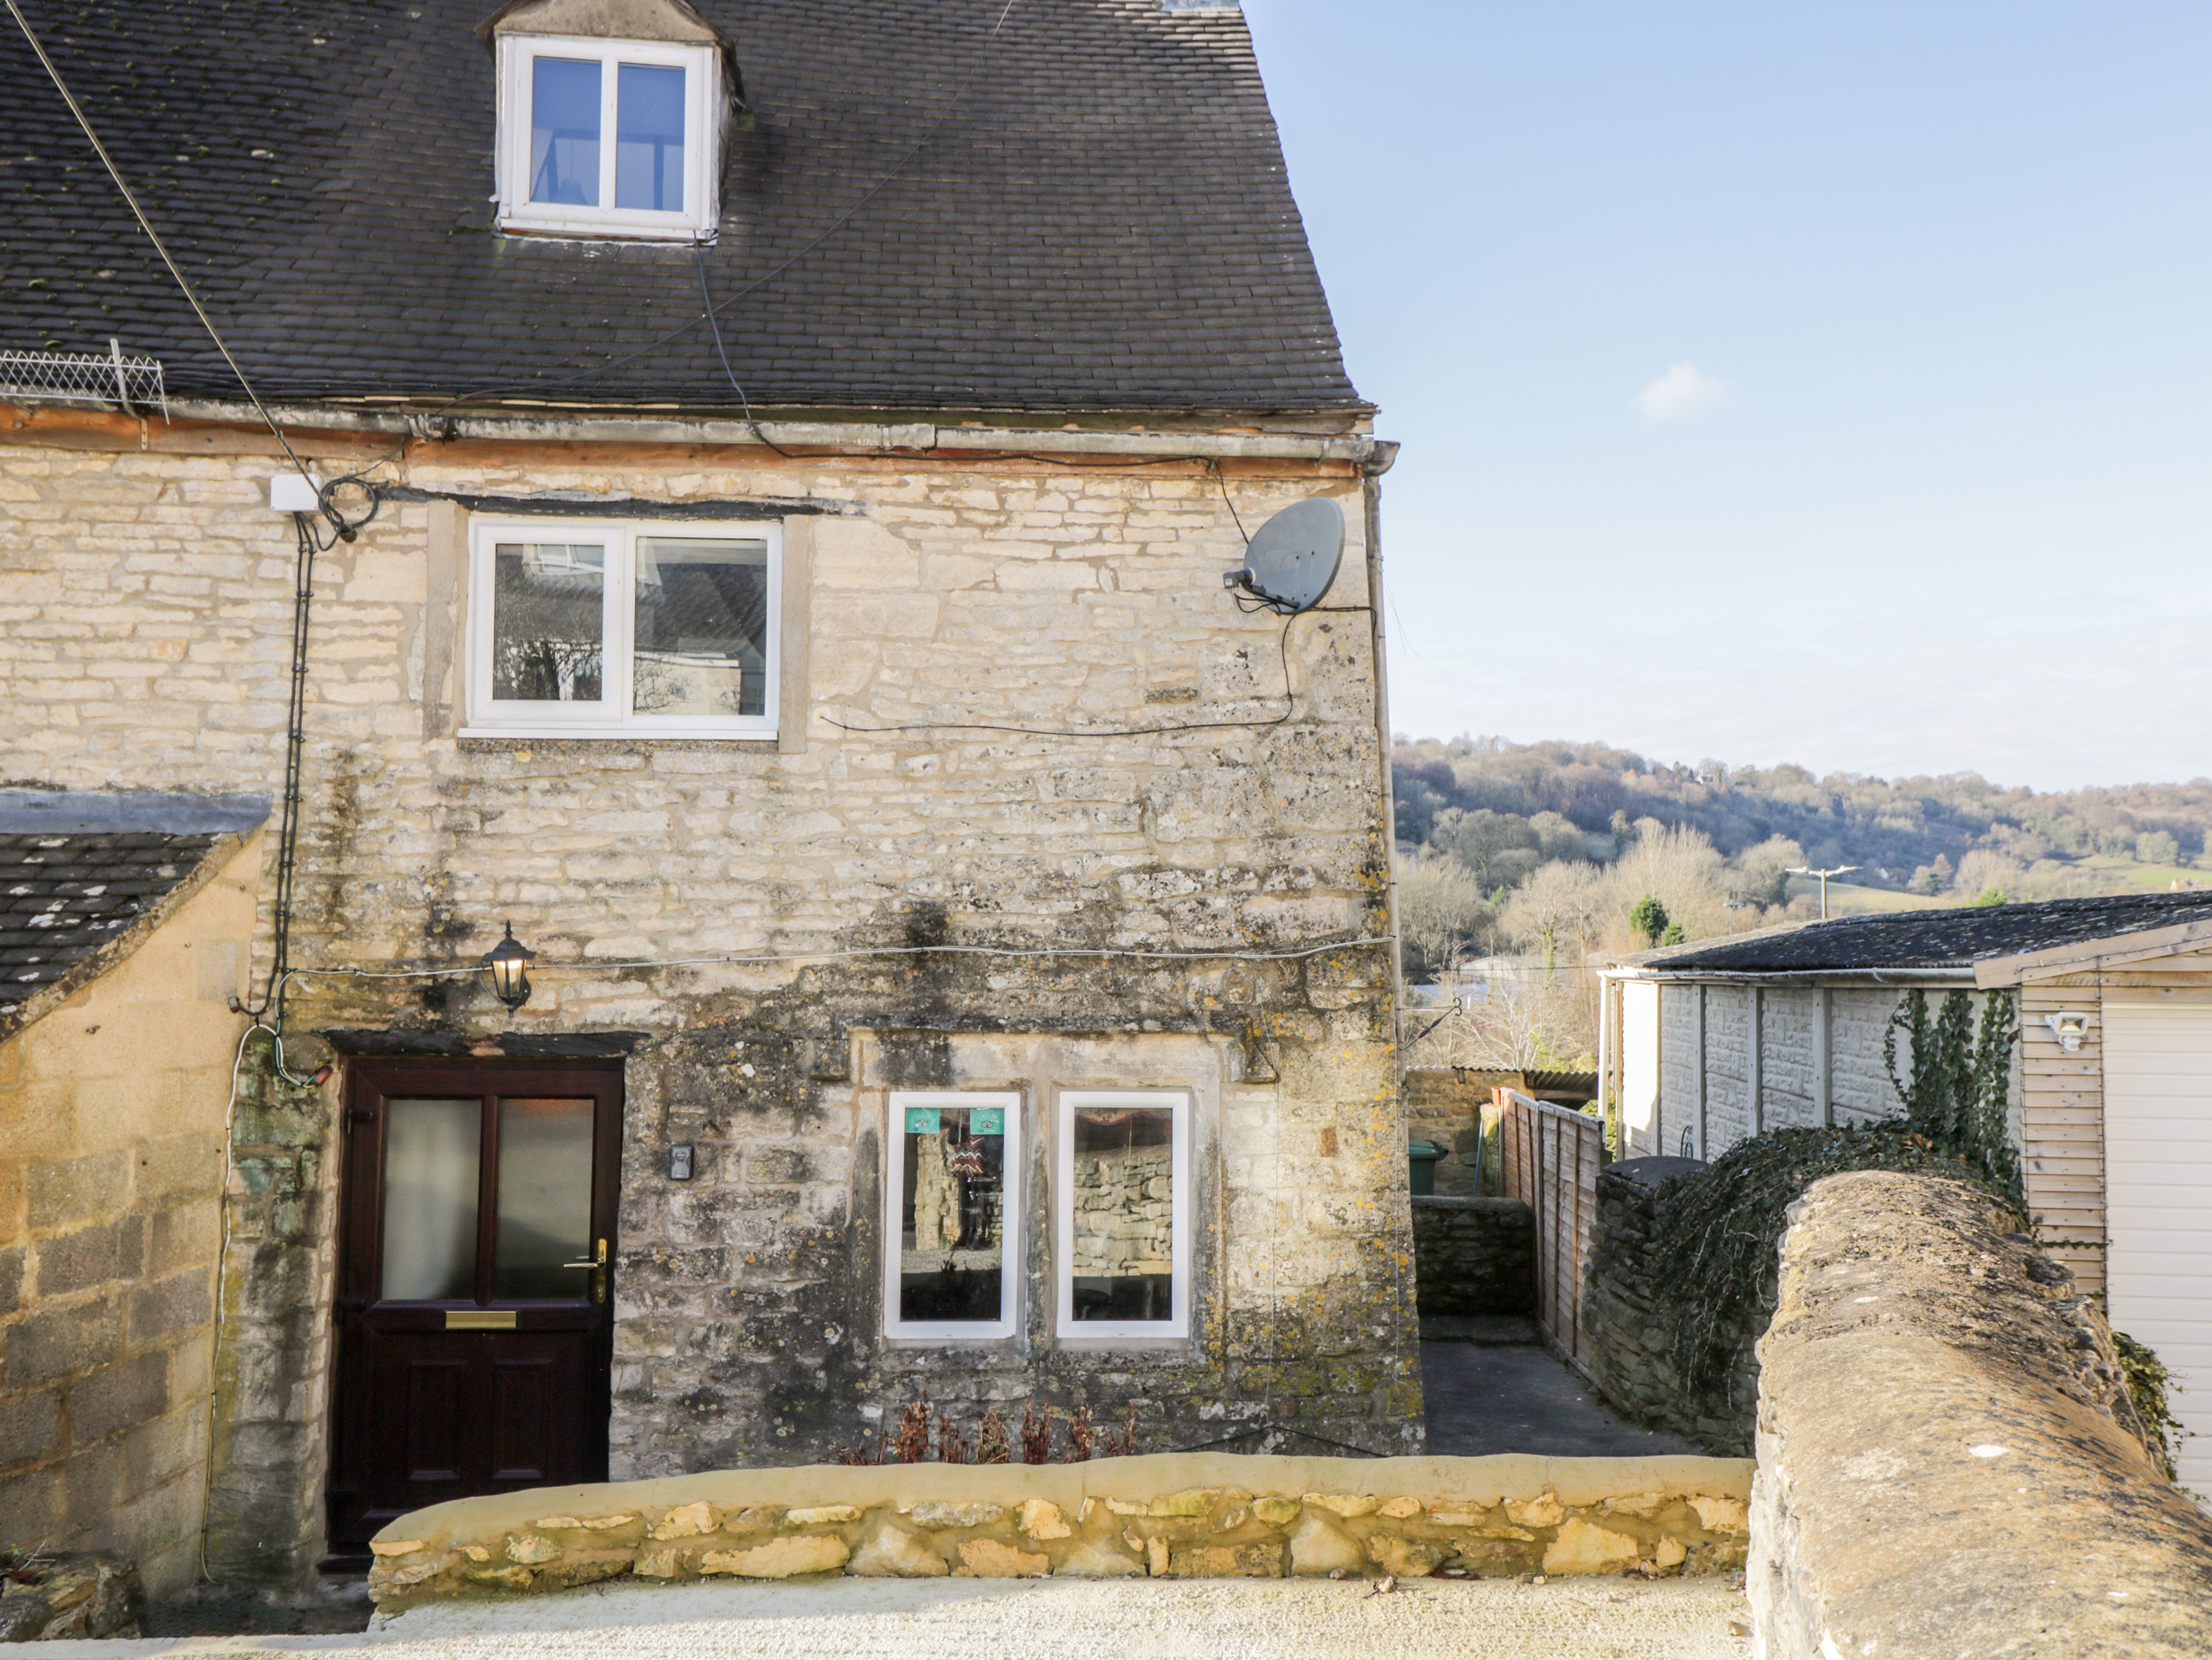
[{"x": 1802, "y": 870}]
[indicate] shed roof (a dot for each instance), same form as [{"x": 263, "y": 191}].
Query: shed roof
[
  {"x": 1087, "y": 209},
  {"x": 1952, "y": 938},
  {"x": 63, "y": 896}
]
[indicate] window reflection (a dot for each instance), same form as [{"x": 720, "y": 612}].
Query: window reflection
[
  {"x": 702, "y": 627},
  {"x": 548, "y": 618},
  {"x": 544, "y": 1198},
  {"x": 564, "y": 131},
  {"x": 649, "y": 138},
  {"x": 1122, "y": 1190},
  {"x": 952, "y": 1220}
]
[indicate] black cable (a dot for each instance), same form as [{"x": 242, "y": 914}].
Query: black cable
[
  {"x": 153, "y": 236},
  {"x": 943, "y": 115},
  {"x": 705, "y": 294},
  {"x": 294, "y": 747},
  {"x": 1289, "y": 704}
]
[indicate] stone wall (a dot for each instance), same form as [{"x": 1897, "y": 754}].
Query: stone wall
[
  {"x": 921, "y": 588},
  {"x": 1947, "y": 1459},
  {"x": 1624, "y": 1326},
  {"x": 1205, "y": 1516},
  {"x": 112, "y": 1109},
  {"x": 1124, "y": 1213},
  {"x": 1444, "y": 1104},
  {"x": 1474, "y": 1255}
]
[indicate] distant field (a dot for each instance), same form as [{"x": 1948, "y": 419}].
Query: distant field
[
  {"x": 2125, "y": 876},
  {"x": 1846, "y": 900}
]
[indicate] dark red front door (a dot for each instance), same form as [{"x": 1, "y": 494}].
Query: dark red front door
[{"x": 474, "y": 1283}]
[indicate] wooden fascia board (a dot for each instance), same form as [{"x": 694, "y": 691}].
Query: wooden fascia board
[{"x": 2080, "y": 954}]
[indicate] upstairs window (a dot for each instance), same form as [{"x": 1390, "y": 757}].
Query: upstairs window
[
  {"x": 608, "y": 138},
  {"x": 601, "y": 628}
]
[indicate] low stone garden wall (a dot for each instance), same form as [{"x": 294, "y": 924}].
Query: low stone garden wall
[
  {"x": 1473, "y": 1256},
  {"x": 1172, "y": 1515},
  {"x": 1949, "y": 1462},
  {"x": 1625, "y": 1333}
]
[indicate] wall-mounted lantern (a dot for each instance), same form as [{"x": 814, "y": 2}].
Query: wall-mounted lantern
[{"x": 508, "y": 964}]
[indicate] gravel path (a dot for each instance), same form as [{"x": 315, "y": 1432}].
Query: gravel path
[{"x": 1065, "y": 1619}]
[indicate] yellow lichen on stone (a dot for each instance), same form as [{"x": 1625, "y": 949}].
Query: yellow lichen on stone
[
  {"x": 892, "y": 1552},
  {"x": 1096, "y": 1559},
  {"x": 1321, "y": 1547},
  {"x": 685, "y": 1521},
  {"x": 822, "y": 1514},
  {"x": 1544, "y": 1510},
  {"x": 1581, "y": 1547},
  {"x": 1408, "y": 1558},
  {"x": 780, "y": 1558},
  {"x": 1719, "y": 1515},
  {"x": 1194, "y": 1501},
  {"x": 1275, "y": 1512},
  {"x": 1345, "y": 1504},
  {"x": 1040, "y": 1518},
  {"x": 1261, "y": 1559},
  {"x": 993, "y": 1559},
  {"x": 937, "y": 1514}
]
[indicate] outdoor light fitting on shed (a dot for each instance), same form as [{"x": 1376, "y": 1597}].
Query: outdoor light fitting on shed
[{"x": 508, "y": 963}]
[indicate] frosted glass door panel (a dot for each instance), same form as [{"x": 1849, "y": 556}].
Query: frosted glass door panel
[
  {"x": 431, "y": 1151},
  {"x": 544, "y": 1199}
]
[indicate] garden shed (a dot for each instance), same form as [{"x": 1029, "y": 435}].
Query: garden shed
[{"x": 1706, "y": 1044}]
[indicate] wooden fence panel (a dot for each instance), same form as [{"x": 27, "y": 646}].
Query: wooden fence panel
[{"x": 1550, "y": 1157}]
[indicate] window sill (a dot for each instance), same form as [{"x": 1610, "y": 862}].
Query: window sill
[{"x": 568, "y": 740}]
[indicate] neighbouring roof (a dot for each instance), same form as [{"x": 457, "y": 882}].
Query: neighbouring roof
[
  {"x": 62, "y": 897},
  {"x": 1088, "y": 211},
  {"x": 78, "y": 869},
  {"x": 1934, "y": 939}
]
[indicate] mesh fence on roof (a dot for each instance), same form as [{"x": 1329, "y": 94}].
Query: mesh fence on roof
[{"x": 84, "y": 377}]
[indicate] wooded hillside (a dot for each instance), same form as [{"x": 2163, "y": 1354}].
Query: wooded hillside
[{"x": 1551, "y": 847}]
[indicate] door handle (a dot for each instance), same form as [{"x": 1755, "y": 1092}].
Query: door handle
[{"x": 598, "y": 1265}]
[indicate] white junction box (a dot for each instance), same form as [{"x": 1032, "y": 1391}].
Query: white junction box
[{"x": 289, "y": 492}]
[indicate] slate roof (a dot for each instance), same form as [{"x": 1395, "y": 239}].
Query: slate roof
[
  {"x": 1101, "y": 220},
  {"x": 62, "y": 897},
  {"x": 1935, "y": 939}
]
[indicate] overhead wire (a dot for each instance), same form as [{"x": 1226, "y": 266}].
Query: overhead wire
[
  {"x": 944, "y": 114},
  {"x": 130, "y": 200}
]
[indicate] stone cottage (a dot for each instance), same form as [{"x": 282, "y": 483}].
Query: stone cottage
[{"x": 744, "y": 493}]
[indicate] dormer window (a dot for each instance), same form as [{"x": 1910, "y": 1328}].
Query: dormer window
[{"x": 608, "y": 138}]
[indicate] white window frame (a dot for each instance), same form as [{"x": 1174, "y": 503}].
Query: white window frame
[
  {"x": 1179, "y": 1103},
  {"x": 894, "y": 1195},
  {"x": 611, "y": 717},
  {"x": 702, "y": 132}
]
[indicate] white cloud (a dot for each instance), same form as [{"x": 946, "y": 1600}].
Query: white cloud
[{"x": 1682, "y": 391}]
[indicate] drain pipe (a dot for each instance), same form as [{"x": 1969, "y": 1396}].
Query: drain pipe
[{"x": 1370, "y": 487}]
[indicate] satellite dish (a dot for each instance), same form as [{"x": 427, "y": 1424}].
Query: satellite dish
[{"x": 1292, "y": 559}]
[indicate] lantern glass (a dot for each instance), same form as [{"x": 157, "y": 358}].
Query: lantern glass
[{"x": 508, "y": 964}]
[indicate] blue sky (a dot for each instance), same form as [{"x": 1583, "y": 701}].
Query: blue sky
[{"x": 1806, "y": 383}]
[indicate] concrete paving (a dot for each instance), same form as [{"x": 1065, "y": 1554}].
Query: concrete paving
[
  {"x": 1050, "y": 1620},
  {"x": 1490, "y": 1397}
]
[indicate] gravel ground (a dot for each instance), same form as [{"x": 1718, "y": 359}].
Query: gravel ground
[{"x": 1068, "y": 1619}]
